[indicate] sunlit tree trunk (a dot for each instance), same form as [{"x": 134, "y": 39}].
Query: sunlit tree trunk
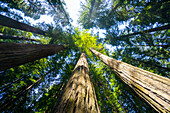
[
  {"x": 6, "y": 21},
  {"x": 15, "y": 54},
  {"x": 78, "y": 95},
  {"x": 153, "y": 88}
]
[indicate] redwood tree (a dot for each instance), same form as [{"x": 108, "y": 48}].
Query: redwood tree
[
  {"x": 5, "y": 21},
  {"x": 14, "y": 37},
  {"x": 15, "y": 54},
  {"x": 153, "y": 88},
  {"x": 79, "y": 94}
]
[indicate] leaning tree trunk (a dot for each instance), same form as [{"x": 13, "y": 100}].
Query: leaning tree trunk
[
  {"x": 147, "y": 31},
  {"x": 14, "y": 37},
  {"x": 151, "y": 87},
  {"x": 10, "y": 101},
  {"x": 79, "y": 94},
  {"x": 15, "y": 54},
  {"x": 6, "y": 21}
]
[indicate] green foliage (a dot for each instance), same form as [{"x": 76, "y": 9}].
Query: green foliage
[
  {"x": 23, "y": 93},
  {"x": 146, "y": 50},
  {"x": 29, "y": 8},
  {"x": 84, "y": 41}
]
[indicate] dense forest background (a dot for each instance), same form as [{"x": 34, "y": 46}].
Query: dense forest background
[{"x": 144, "y": 43}]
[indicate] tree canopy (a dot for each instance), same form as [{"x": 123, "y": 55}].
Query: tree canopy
[{"x": 138, "y": 30}]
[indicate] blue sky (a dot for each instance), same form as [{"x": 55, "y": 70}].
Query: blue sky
[{"x": 73, "y": 8}]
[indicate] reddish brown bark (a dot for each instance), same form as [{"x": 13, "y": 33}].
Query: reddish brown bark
[
  {"x": 6, "y": 21},
  {"x": 15, "y": 54},
  {"x": 153, "y": 88},
  {"x": 79, "y": 94}
]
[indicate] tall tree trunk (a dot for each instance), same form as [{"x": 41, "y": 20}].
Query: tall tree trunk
[
  {"x": 147, "y": 31},
  {"x": 15, "y": 54},
  {"x": 11, "y": 100},
  {"x": 63, "y": 10},
  {"x": 91, "y": 9},
  {"x": 161, "y": 45},
  {"x": 9, "y": 84},
  {"x": 79, "y": 94},
  {"x": 153, "y": 64},
  {"x": 151, "y": 87},
  {"x": 6, "y": 21},
  {"x": 14, "y": 37}
]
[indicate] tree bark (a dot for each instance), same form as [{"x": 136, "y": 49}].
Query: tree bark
[
  {"x": 15, "y": 54},
  {"x": 6, "y": 21},
  {"x": 147, "y": 31},
  {"x": 9, "y": 84},
  {"x": 91, "y": 9},
  {"x": 61, "y": 5},
  {"x": 153, "y": 88},
  {"x": 154, "y": 45},
  {"x": 153, "y": 64},
  {"x": 79, "y": 95},
  {"x": 14, "y": 37},
  {"x": 11, "y": 100}
]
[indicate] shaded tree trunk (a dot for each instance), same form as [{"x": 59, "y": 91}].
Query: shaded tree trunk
[
  {"x": 79, "y": 94},
  {"x": 9, "y": 84},
  {"x": 152, "y": 63},
  {"x": 108, "y": 99},
  {"x": 91, "y": 9},
  {"x": 15, "y": 54},
  {"x": 11, "y": 100},
  {"x": 147, "y": 31},
  {"x": 14, "y": 37},
  {"x": 6, "y": 21},
  {"x": 61, "y": 5},
  {"x": 153, "y": 88},
  {"x": 154, "y": 45}
]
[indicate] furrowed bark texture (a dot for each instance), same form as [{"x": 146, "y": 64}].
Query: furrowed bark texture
[
  {"x": 152, "y": 88},
  {"x": 79, "y": 94},
  {"x": 15, "y": 54},
  {"x": 6, "y": 21}
]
